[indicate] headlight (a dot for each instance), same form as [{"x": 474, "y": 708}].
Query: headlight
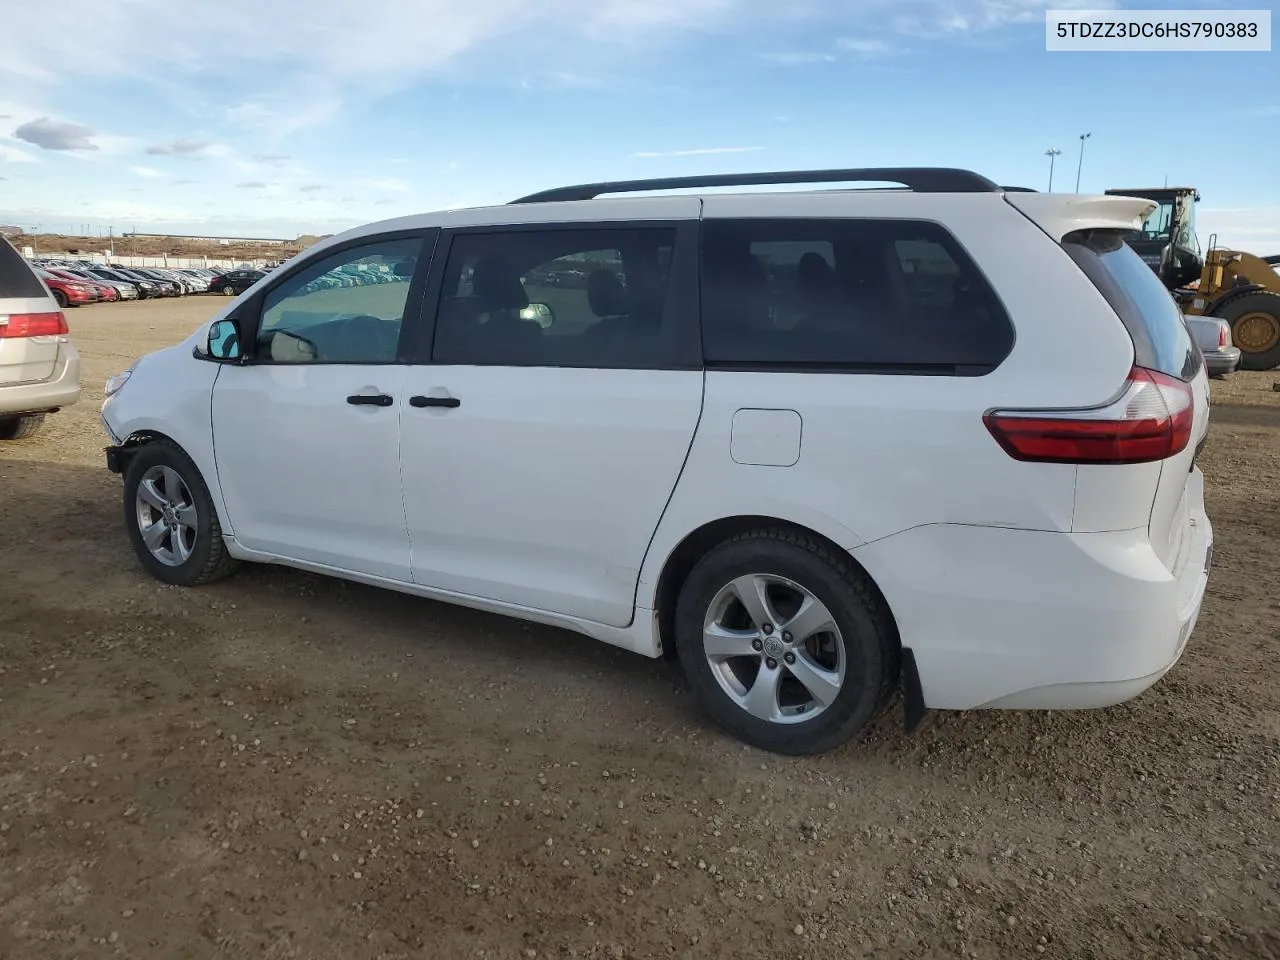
[{"x": 115, "y": 383}]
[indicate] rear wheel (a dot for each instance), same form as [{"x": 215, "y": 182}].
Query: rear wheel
[
  {"x": 18, "y": 428},
  {"x": 170, "y": 519},
  {"x": 1255, "y": 329},
  {"x": 786, "y": 643},
  {"x": 61, "y": 298}
]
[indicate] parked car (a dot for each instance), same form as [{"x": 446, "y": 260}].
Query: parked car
[
  {"x": 1213, "y": 337},
  {"x": 163, "y": 287},
  {"x": 198, "y": 282},
  {"x": 188, "y": 284},
  {"x": 235, "y": 282},
  {"x": 176, "y": 287},
  {"x": 822, "y": 446},
  {"x": 39, "y": 366},
  {"x": 145, "y": 288},
  {"x": 69, "y": 293},
  {"x": 123, "y": 289},
  {"x": 105, "y": 292}
]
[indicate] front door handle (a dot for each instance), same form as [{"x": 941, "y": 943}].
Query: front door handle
[
  {"x": 371, "y": 399},
  {"x": 434, "y": 402}
]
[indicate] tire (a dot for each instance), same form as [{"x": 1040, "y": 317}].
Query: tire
[
  {"x": 61, "y": 299},
  {"x": 864, "y": 637},
  {"x": 1255, "y": 328},
  {"x": 19, "y": 428},
  {"x": 198, "y": 555},
  {"x": 228, "y": 291}
]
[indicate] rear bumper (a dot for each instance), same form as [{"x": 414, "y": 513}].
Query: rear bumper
[
  {"x": 1221, "y": 362},
  {"x": 1014, "y": 619},
  {"x": 60, "y": 390}
]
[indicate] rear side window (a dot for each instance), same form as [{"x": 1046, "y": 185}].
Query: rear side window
[
  {"x": 582, "y": 297},
  {"x": 876, "y": 295},
  {"x": 17, "y": 279},
  {"x": 1161, "y": 340}
]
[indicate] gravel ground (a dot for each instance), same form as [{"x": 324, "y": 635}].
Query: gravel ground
[{"x": 283, "y": 766}]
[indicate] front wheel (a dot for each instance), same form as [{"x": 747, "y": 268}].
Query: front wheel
[
  {"x": 170, "y": 519},
  {"x": 786, "y": 643},
  {"x": 228, "y": 291},
  {"x": 60, "y": 298}
]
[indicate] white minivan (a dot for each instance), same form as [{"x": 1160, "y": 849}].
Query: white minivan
[{"x": 821, "y": 444}]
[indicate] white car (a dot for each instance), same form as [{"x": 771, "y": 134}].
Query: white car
[{"x": 823, "y": 445}]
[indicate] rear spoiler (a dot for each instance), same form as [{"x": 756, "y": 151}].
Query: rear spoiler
[{"x": 1059, "y": 214}]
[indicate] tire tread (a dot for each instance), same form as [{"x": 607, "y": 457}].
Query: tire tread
[{"x": 20, "y": 427}]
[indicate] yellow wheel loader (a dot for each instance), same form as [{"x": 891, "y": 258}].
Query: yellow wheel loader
[{"x": 1238, "y": 287}]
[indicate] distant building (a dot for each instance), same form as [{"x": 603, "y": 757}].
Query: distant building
[
  {"x": 225, "y": 241},
  {"x": 7, "y": 230}
]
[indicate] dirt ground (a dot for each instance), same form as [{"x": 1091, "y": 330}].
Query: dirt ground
[{"x": 283, "y": 766}]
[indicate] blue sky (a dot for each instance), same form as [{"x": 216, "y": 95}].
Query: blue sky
[{"x": 274, "y": 119}]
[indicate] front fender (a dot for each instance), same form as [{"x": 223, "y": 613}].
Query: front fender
[{"x": 170, "y": 394}]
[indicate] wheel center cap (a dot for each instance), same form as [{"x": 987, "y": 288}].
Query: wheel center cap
[{"x": 773, "y": 646}]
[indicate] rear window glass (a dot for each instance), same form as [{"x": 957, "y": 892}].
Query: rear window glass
[
  {"x": 17, "y": 279},
  {"x": 1161, "y": 340},
  {"x": 864, "y": 294}
]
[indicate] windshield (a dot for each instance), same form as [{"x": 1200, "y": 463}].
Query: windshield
[
  {"x": 1157, "y": 226},
  {"x": 1160, "y": 224}
]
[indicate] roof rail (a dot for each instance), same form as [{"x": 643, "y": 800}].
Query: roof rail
[{"x": 919, "y": 179}]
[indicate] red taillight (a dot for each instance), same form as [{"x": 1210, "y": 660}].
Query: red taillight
[
  {"x": 15, "y": 325},
  {"x": 1152, "y": 420},
  {"x": 1222, "y": 336}
]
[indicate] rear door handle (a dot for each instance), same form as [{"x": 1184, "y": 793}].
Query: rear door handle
[
  {"x": 421, "y": 401},
  {"x": 371, "y": 399}
]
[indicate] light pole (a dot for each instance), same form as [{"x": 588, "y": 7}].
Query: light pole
[
  {"x": 1080, "y": 165},
  {"x": 1051, "y": 153}
]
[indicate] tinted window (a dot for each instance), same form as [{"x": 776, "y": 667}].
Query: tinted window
[
  {"x": 344, "y": 308},
  {"x": 1161, "y": 340},
  {"x": 17, "y": 279},
  {"x": 871, "y": 294},
  {"x": 571, "y": 297}
]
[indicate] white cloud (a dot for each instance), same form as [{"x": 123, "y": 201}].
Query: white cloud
[
  {"x": 388, "y": 183},
  {"x": 867, "y": 48},
  {"x": 1255, "y": 230},
  {"x": 799, "y": 57},
  {"x": 329, "y": 47},
  {"x": 14, "y": 155},
  {"x": 704, "y": 151},
  {"x": 186, "y": 147},
  {"x": 935, "y": 19},
  {"x": 149, "y": 172}
]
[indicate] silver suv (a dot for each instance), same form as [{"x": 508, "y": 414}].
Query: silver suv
[{"x": 39, "y": 367}]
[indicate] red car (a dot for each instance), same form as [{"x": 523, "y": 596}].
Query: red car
[
  {"x": 104, "y": 291},
  {"x": 67, "y": 292}
]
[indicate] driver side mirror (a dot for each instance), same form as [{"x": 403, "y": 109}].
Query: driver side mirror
[{"x": 224, "y": 340}]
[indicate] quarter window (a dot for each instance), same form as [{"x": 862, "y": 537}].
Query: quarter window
[
  {"x": 345, "y": 308},
  {"x": 563, "y": 297},
  {"x": 847, "y": 294}
]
